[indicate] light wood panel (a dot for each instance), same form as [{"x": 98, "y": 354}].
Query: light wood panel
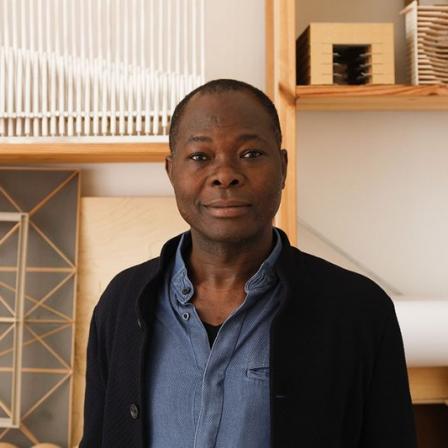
[{"x": 115, "y": 233}]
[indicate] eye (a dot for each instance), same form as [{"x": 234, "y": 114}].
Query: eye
[
  {"x": 198, "y": 157},
  {"x": 252, "y": 154}
]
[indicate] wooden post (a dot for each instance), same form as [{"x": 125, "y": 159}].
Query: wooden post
[
  {"x": 281, "y": 85},
  {"x": 16, "y": 320}
]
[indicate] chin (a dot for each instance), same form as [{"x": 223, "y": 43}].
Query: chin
[{"x": 229, "y": 233}]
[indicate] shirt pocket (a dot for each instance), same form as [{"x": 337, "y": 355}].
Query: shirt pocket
[{"x": 258, "y": 373}]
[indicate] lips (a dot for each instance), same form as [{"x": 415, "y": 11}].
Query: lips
[
  {"x": 224, "y": 203},
  {"x": 226, "y": 208}
]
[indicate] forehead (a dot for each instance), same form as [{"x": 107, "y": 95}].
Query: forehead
[{"x": 231, "y": 110}]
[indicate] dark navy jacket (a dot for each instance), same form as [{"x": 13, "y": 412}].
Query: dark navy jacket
[{"x": 338, "y": 374}]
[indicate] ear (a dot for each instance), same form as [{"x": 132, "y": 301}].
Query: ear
[
  {"x": 284, "y": 157},
  {"x": 169, "y": 167}
]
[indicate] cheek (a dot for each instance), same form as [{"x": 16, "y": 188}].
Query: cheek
[
  {"x": 185, "y": 200},
  {"x": 273, "y": 202},
  {"x": 270, "y": 193},
  {"x": 270, "y": 188}
]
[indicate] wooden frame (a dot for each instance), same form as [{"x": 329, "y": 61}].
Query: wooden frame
[
  {"x": 281, "y": 85},
  {"x": 16, "y": 319}
]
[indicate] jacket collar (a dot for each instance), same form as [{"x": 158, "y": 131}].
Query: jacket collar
[
  {"x": 263, "y": 279},
  {"x": 289, "y": 268}
]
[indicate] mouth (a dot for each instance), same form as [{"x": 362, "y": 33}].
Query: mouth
[
  {"x": 227, "y": 208},
  {"x": 223, "y": 203}
]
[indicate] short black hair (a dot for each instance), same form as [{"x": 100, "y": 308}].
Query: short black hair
[{"x": 220, "y": 86}]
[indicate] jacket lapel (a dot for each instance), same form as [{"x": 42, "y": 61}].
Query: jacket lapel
[{"x": 296, "y": 338}]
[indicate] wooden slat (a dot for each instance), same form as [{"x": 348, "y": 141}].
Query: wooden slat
[
  {"x": 372, "y": 97},
  {"x": 82, "y": 153},
  {"x": 281, "y": 81}
]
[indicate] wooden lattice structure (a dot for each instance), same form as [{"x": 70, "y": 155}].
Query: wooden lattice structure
[{"x": 37, "y": 337}]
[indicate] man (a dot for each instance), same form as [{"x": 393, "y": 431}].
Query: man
[{"x": 233, "y": 338}]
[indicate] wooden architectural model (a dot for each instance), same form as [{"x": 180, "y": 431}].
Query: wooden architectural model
[
  {"x": 427, "y": 42},
  {"x": 346, "y": 53},
  {"x": 92, "y": 69},
  {"x": 38, "y": 271}
]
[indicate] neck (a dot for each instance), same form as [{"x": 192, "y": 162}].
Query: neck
[{"x": 224, "y": 265}]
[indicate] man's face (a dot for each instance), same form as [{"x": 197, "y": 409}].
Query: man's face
[{"x": 227, "y": 170}]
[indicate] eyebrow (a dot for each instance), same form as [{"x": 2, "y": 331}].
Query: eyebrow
[
  {"x": 240, "y": 138},
  {"x": 199, "y": 138},
  {"x": 248, "y": 137}
]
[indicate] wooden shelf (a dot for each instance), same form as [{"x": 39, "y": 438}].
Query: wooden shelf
[
  {"x": 428, "y": 385},
  {"x": 22, "y": 153},
  {"x": 372, "y": 97}
]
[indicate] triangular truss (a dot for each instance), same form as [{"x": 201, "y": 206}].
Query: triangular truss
[{"x": 45, "y": 318}]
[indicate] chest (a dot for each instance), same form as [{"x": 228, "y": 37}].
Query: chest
[
  {"x": 224, "y": 389},
  {"x": 215, "y": 306}
]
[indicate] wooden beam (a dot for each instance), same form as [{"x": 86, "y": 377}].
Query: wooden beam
[
  {"x": 281, "y": 84},
  {"x": 82, "y": 153},
  {"x": 372, "y": 97}
]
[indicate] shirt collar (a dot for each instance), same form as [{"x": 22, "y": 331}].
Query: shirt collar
[{"x": 262, "y": 280}]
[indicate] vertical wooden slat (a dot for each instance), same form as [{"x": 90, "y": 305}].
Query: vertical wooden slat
[
  {"x": 19, "y": 313},
  {"x": 281, "y": 83},
  {"x": 75, "y": 289},
  {"x": 16, "y": 318}
]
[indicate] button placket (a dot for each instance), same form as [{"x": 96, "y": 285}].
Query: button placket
[{"x": 213, "y": 379}]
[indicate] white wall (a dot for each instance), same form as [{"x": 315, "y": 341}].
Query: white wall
[{"x": 374, "y": 184}]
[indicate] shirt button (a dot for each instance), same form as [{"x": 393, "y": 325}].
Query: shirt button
[
  {"x": 139, "y": 323},
  {"x": 186, "y": 291},
  {"x": 133, "y": 409},
  {"x": 186, "y": 316}
]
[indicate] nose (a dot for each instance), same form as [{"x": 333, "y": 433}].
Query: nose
[{"x": 226, "y": 176}]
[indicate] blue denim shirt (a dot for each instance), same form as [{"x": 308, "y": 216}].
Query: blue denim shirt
[{"x": 206, "y": 397}]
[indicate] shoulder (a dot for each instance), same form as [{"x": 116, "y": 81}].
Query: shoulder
[
  {"x": 120, "y": 298},
  {"x": 340, "y": 286},
  {"x": 124, "y": 289},
  {"x": 134, "y": 276}
]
